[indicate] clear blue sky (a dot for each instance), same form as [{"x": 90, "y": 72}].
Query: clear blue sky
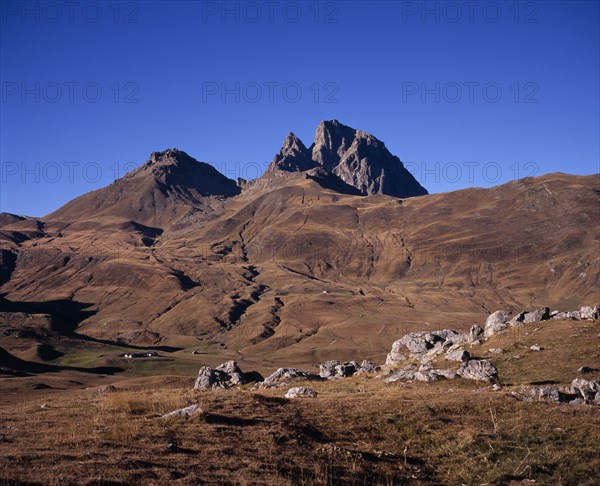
[{"x": 88, "y": 90}]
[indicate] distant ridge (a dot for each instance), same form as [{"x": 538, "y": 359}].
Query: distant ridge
[{"x": 170, "y": 185}]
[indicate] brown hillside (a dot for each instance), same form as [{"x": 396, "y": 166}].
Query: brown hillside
[{"x": 297, "y": 269}]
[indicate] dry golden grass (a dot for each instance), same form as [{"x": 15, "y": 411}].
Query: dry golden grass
[{"x": 358, "y": 431}]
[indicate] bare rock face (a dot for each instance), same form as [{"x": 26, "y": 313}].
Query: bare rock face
[
  {"x": 356, "y": 157},
  {"x": 332, "y": 141},
  {"x": 478, "y": 369},
  {"x": 363, "y": 161},
  {"x": 496, "y": 322},
  {"x": 293, "y": 156}
]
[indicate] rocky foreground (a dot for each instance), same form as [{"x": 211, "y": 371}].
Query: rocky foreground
[
  {"x": 428, "y": 416},
  {"x": 417, "y": 356}
]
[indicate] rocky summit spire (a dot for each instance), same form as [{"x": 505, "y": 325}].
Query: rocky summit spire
[
  {"x": 293, "y": 156},
  {"x": 370, "y": 167},
  {"x": 356, "y": 157},
  {"x": 332, "y": 140}
]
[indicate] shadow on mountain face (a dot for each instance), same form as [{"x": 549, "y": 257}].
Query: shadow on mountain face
[
  {"x": 8, "y": 263},
  {"x": 13, "y": 366},
  {"x": 328, "y": 180},
  {"x": 66, "y": 316}
]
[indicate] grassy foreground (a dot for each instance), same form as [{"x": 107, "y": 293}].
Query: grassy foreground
[{"x": 357, "y": 431}]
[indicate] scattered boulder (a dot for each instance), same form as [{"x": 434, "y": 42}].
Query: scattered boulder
[
  {"x": 537, "y": 315},
  {"x": 283, "y": 376},
  {"x": 225, "y": 375},
  {"x": 231, "y": 369},
  {"x": 420, "y": 344},
  {"x": 447, "y": 374},
  {"x": 367, "y": 367},
  {"x": 592, "y": 313},
  {"x": 438, "y": 348},
  {"x": 535, "y": 347},
  {"x": 427, "y": 376},
  {"x": 345, "y": 370},
  {"x": 496, "y": 322},
  {"x": 476, "y": 333},
  {"x": 478, "y": 369},
  {"x": 581, "y": 392},
  {"x": 518, "y": 319},
  {"x": 588, "y": 390},
  {"x": 401, "y": 375},
  {"x": 499, "y": 320},
  {"x": 586, "y": 312},
  {"x": 395, "y": 355},
  {"x": 327, "y": 369},
  {"x": 496, "y": 350},
  {"x": 424, "y": 374},
  {"x": 416, "y": 343},
  {"x": 549, "y": 393},
  {"x": 458, "y": 355},
  {"x": 206, "y": 379},
  {"x": 565, "y": 315},
  {"x": 301, "y": 392},
  {"x": 333, "y": 369},
  {"x": 186, "y": 412}
]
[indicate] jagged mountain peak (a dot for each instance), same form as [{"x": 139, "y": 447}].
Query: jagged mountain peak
[
  {"x": 332, "y": 139},
  {"x": 169, "y": 159},
  {"x": 166, "y": 188},
  {"x": 355, "y": 156},
  {"x": 175, "y": 169},
  {"x": 292, "y": 143},
  {"x": 293, "y": 156}
]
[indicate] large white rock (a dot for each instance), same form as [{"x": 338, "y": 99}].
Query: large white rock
[
  {"x": 590, "y": 312},
  {"x": 496, "y": 322},
  {"x": 478, "y": 369},
  {"x": 301, "y": 392}
]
